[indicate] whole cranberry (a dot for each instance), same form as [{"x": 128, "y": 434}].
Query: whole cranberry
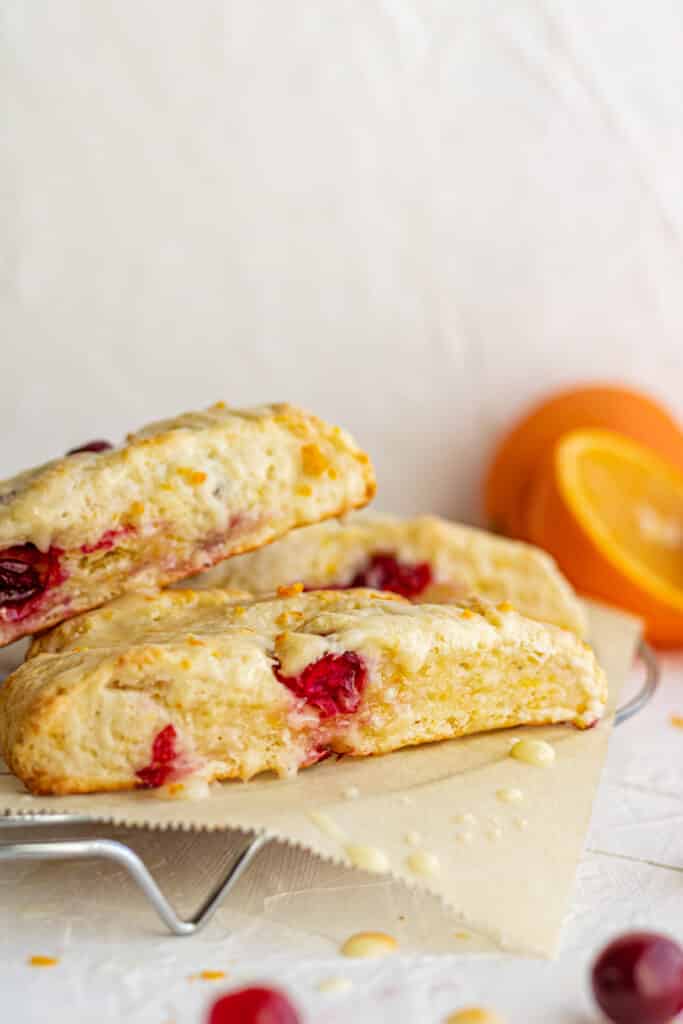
[
  {"x": 253, "y": 1006},
  {"x": 91, "y": 446},
  {"x": 638, "y": 979},
  {"x": 384, "y": 571}
]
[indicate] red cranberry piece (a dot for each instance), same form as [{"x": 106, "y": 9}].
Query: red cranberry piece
[
  {"x": 253, "y": 1006},
  {"x": 19, "y": 581},
  {"x": 316, "y": 755},
  {"x": 638, "y": 979},
  {"x": 385, "y": 572},
  {"x": 24, "y": 572},
  {"x": 164, "y": 753},
  {"x": 333, "y": 684},
  {"x": 91, "y": 446}
]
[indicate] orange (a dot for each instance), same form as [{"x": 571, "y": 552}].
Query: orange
[
  {"x": 611, "y": 513},
  {"x": 528, "y": 443}
]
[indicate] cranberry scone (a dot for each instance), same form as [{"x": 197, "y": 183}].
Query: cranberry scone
[
  {"x": 151, "y": 689},
  {"x": 424, "y": 559},
  {"x": 179, "y": 496}
]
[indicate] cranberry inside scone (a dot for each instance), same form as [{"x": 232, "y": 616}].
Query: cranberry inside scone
[
  {"x": 149, "y": 690},
  {"x": 177, "y": 498}
]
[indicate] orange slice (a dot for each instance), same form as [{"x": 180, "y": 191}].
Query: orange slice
[
  {"x": 529, "y": 442},
  {"x": 611, "y": 513}
]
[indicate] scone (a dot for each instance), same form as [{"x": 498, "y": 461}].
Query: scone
[
  {"x": 425, "y": 559},
  {"x": 149, "y": 690},
  {"x": 178, "y": 497}
]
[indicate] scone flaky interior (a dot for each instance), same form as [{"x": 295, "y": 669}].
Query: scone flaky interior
[{"x": 146, "y": 691}]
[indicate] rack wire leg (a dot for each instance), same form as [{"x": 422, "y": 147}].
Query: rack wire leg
[{"x": 119, "y": 853}]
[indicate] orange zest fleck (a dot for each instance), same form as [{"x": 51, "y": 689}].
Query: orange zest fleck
[
  {"x": 677, "y": 721},
  {"x": 208, "y": 976},
  {"x": 43, "y": 961},
  {"x": 290, "y": 590},
  {"x": 313, "y": 460},
  {"x": 192, "y": 476}
]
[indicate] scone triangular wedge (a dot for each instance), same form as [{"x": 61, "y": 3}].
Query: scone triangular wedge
[
  {"x": 180, "y": 496},
  {"x": 149, "y": 690},
  {"x": 425, "y": 558}
]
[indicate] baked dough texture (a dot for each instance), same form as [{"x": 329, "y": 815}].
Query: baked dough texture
[
  {"x": 455, "y": 560},
  {"x": 155, "y": 688},
  {"x": 179, "y": 496}
]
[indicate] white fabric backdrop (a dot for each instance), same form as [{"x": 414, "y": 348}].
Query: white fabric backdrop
[{"x": 411, "y": 217}]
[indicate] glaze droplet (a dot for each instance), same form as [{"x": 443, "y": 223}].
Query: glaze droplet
[
  {"x": 368, "y": 858},
  {"x": 423, "y": 863},
  {"x": 466, "y": 818},
  {"x": 510, "y": 795},
  {"x": 328, "y": 825},
  {"x": 369, "y": 944},
  {"x": 536, "y": 752},
  {"x": 335, "y": 985}
]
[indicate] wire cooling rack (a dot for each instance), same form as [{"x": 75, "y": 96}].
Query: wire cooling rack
[{"x": 121, "y": 854}]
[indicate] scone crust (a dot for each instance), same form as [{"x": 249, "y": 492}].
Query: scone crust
[
  {"x": 81, "y": 713},
  {"x": 168, "y": 466}
]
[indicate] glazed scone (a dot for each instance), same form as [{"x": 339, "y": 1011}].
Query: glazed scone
[
  {"x": 425, "y": 559},
  {"x": 179, "y": 496},
  {"x": 149, "y": 690}
]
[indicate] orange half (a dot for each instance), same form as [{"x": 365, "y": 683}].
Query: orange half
[
  {"x": 527, "y": 443},
  {"x": 611, "y": 513}
]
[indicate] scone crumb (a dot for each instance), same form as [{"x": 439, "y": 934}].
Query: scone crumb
[
  {"x": 474, "y": 1015},
  {"x": 369, "y": 945},
  {"x": 313, "y": 460},
  {"x": 290, "y": 590},
  {"x": 219, "y": 405},
  {"x": 43, "y": 961},
  {"x": 207, "y": 976}
]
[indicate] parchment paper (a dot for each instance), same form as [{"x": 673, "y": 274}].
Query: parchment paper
[{"x": 508, "y": 887}]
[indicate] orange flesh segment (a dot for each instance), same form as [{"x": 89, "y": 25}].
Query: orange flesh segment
[{"x": 631, "y": 504}]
